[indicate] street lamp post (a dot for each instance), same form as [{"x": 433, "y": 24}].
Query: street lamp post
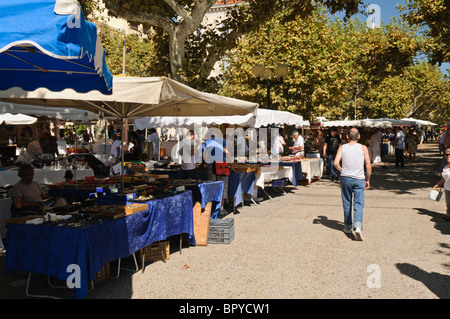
[{"x": 264, "y": 77}]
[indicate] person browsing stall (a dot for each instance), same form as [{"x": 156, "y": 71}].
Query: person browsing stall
[
  {"x": 330, "y": 148},
  {"x": 399, "y": 147},
  {"x": 156, "y": 141},
  {"x": 115, "y": 154},
  {"x": 36, "y": 148},
  {"x": 187, "y": 151},
  {"x": 27, "y": 195},
  {"x": 115, "y": 148}
]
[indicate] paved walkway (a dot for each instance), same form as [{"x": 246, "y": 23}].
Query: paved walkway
[{"x": 293, "y": 247}]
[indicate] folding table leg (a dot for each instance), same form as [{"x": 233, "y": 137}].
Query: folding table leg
[
  {"x": 266, "y": 193},
  {"x": 118, "y": 266},
  {"x": 36, "y": 296}
]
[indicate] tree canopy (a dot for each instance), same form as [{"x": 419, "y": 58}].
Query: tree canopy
[
  {"x": 329, "y": 61},
  {"x": 434, "y": 18},
  {"x": 194, "y": 48}
]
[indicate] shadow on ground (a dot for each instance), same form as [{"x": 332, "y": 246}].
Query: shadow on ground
[{"x": 423, "y": 173}]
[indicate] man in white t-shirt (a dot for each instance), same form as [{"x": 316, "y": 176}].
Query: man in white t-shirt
[
  {"x": 116, "y": 152},
  {"x": 187, "y": 151},
  {"x": 299, "y": 146},
  {"x": 278, "y": 145},
  {"x": 399, "y": 147},
  {"x": 36, "y": 148},
  {"x": 154, "y": 138},
  {"x": 375, "y": 145}
]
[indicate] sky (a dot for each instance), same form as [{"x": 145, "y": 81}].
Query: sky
[{"x": 387, "y": 10}]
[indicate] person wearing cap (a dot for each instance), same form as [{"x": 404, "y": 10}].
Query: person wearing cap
[{"x": 299, "y": 145}]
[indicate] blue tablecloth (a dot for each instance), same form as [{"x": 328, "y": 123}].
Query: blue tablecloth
[
  {"x": 50, "y": 250},
  {"x": 239, "y": 184},
  {"x": 208, "y": 192}
]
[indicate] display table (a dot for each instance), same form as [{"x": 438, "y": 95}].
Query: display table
[
  {"x": 272, "y": 173},
  {"x": 313, "y": 167},
  {"x": 92, "y": 159},
  {"x": 296, "y": 174},
  {"x": 43, "y": 176},
  {"x": 49, "y": 250}
]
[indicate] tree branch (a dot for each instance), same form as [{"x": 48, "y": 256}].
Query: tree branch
[{"x": 140, "y": 17}]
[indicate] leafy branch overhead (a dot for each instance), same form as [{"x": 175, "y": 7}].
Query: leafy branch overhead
[{"x": 182, "y": 20}]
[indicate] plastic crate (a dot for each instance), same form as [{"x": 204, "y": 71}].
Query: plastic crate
[{"x": 221, "y": 231}]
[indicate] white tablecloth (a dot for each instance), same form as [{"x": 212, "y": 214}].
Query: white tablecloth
[
  {"x": 271, "y": 173},
  {"x": 313, "y": 167},
  {"x": 43, "y": 176}
]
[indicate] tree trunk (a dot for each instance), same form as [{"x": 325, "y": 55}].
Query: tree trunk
[{"x": 176, "y": 54}]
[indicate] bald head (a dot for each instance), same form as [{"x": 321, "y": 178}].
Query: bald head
[{"x": 353, "y": 134}]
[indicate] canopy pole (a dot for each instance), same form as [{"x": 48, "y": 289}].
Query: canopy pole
[{"x": 122, "y": 170}]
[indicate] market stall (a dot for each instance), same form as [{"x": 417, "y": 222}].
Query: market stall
[
  {"x": 135, "y": 97},
  {"x": 91, "y": 242}
]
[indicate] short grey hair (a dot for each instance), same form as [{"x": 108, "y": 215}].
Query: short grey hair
[{"x": 353, "y": 134}]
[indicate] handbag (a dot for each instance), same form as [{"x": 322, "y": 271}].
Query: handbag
[
  {"x": 435, "y": 194},
  {"x": 222, "y": 168}
]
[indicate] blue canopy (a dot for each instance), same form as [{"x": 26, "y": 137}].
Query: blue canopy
[{"x": 48, "y": 43}]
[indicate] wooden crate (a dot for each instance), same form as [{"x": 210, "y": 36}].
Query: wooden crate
[
  {"x": 201, "y": 223},
  {"x": 155, "y": 251}
]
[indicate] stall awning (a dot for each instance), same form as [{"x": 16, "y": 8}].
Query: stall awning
[{"x": 48, "y": 43}]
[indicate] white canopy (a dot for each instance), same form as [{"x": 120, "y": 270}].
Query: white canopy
[
  {"x": 189, "y": 121},
  {"x": 274, "y": 117},
  {"x": 263, "y": 117},
  {"x": 17, "y": 119},
  {"x": 380, "y": 123},
  {"x": 420, "y": 122},
  {"x": 62, "y": 113},
  {"x": 135, "y": 97}
]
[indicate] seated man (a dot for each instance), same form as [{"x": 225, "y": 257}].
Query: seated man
[{"x": 28, "y": 196}]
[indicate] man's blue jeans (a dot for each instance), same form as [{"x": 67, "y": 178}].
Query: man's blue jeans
[
  {"x": 352, "y": 191},
  {"x": 331, "y": 170}
]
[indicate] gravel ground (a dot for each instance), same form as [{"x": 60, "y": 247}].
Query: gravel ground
[{"x": 293, "y": 247}]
